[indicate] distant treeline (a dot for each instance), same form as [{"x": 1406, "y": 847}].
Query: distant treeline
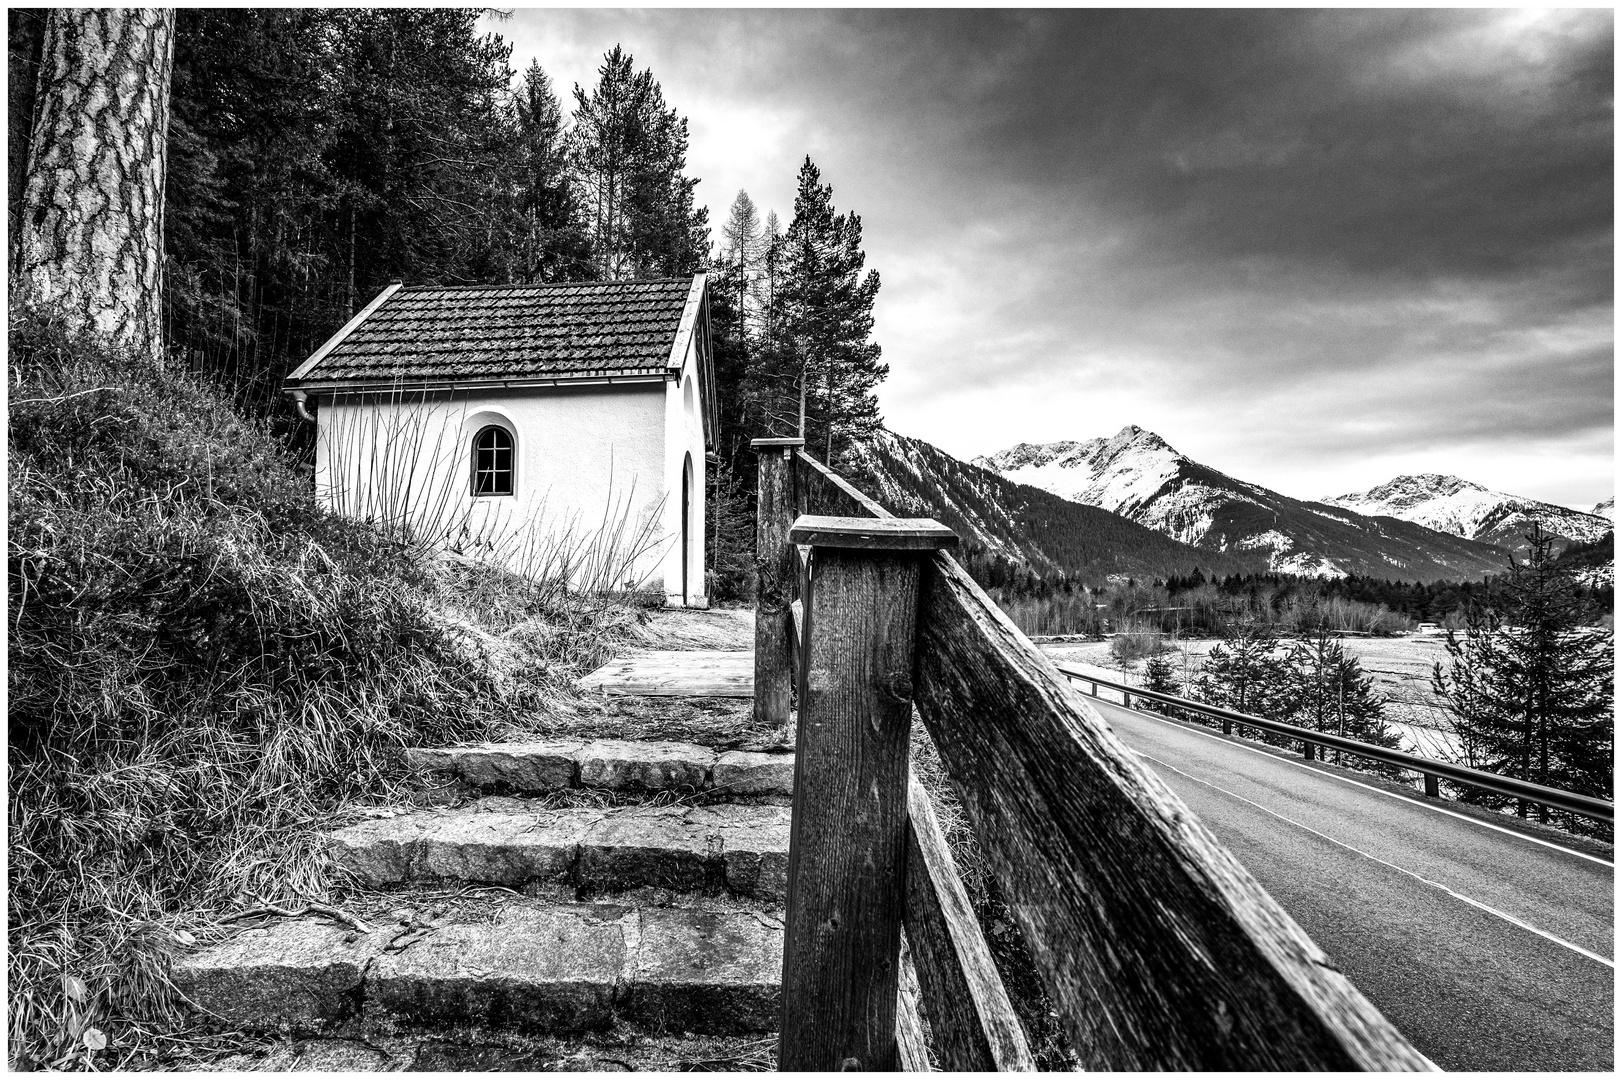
[{"x": 1207, "y": 606}]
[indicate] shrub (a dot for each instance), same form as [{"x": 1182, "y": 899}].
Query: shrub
[{"x": 1136, "y": 642}]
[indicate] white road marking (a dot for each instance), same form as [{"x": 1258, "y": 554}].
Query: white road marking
[
  {"x": 1488, "y": 908},
  {"x": 1226, "y": 741}
]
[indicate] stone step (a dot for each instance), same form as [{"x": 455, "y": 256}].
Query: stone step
[
  {"x": 486, "y": 1050},
  {"x": 531, "y": 968},
  {"x": 535, "y": 768},
  {"x": 733, "y": 848}
]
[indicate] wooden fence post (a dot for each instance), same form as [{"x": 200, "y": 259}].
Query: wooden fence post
[
  {"x": 775, "y": 575},
  {"x": 848, "y": 832}
]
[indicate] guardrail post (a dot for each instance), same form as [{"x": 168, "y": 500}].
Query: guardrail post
[
  {"x": 775, "y": 574},
  {"x": 1432, "y": 787},
  {"x": 848, "y": 831},
  {"x": 1307, "y": 750}
]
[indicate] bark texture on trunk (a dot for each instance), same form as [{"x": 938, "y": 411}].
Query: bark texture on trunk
[{"x": 91, "y": 226}]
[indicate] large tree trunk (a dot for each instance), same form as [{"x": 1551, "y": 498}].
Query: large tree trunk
[
  {"x": 91, "y": 222},
  {"x": 25, "y": 32}
]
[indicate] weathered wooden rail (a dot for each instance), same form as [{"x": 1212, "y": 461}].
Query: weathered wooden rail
[{"x": 1156, "y": 947}]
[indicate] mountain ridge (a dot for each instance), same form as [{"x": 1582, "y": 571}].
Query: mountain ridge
[
  {"x": 1029, "y": 528},
  {"x": 1140, "y": 476},
  {"x": 1461, "y": 507}
]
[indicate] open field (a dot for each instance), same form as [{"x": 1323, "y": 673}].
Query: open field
[{"x": 1400, "y": 667}]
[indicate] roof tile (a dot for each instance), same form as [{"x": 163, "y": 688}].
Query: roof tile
[{"x": 434, "y": 333}]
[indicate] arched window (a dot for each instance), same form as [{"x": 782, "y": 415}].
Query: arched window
[{"x": 493, "y": 461}]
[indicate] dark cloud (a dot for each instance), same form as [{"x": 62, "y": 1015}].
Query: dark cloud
[
  {"x": 1371, "y": 141},
  {"x": 1325, "y": 223}
]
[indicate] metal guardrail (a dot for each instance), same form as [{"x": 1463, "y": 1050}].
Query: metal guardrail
[{"x": 1508, "y": 786}]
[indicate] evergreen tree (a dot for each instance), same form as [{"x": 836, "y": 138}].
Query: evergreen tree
[
  {"x": 817, "y": 359},
  {"x": 1160, "y": 676},
  {"x": 771, "y": 244},
  {"x": 1332, "y": 694},
  {"x": 423, "y": 147},
  {"x": 732, "y": 350},
  {"x": 743, "y": 253},
  {"x": 553, "y": 246},
  {"x": 315, "y": 155},
  {"x": 1530, "y": 688},
  {"x": 1246, "y": 672},
  {"x": 629, "y": 154}
]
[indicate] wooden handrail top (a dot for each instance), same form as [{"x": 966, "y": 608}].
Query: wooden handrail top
[
  {"x": 768, "y": 444},
  {"x": 893, "y": 534}
]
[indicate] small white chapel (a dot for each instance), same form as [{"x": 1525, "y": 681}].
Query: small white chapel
[{"x": 560, "y": 427}]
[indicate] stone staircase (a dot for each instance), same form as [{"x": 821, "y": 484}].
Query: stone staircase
[{"x": 586, "y": 903}]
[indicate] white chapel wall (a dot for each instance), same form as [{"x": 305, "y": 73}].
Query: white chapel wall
[
  {"x": 590, "y": 478},
  {"x": 685, "y": 424}
]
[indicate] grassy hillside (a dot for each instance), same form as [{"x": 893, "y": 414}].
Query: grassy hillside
[
  {"x": 1007, "y": 528},
  {"x": 203, "y": 663}
]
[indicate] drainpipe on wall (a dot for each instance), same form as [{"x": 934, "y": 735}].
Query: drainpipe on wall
[{"x": 299, "y": 398}]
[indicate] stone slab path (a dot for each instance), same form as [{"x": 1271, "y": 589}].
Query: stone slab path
[
  {"x": 584, "y": 893},
  {"x": 706, "y": 673},
  {"x": 742, "y": 850},
  {"x": 532, "y": 968},
  {"x": 547, "y": 765}
]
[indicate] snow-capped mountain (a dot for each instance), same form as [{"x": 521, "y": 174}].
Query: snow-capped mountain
[
  {"x": 1606, "y": 509},
  {"x": 1023, "y": 528},
  {"x": 1451, "y": 505},
  {"x": 1138, "y": 475}
]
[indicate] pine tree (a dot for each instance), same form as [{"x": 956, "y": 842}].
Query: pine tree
[
  {"x": 1332, "y": 694},
  {"x": 553, "y": 246},
  {"x": 423, "y": 146},
  {"x": 817, "y": 357},
  {"x": 771, "y": 246},
  {"x": 669, "y": 234},
  {"x": 629, "y": 155},
  {"x": 1246, "y": 672},
  {"x": 316, "y": 154},
  {"x": 1531, "y": 689},
  {"x": 1160, "y": 676},
  {"x": 743, "y": 252}
]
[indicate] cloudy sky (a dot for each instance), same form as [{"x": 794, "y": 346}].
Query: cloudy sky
[{"x": 1312, "y": 249}]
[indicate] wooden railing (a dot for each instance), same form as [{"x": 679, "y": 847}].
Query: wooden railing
[{"x": 1157, "y": 949}]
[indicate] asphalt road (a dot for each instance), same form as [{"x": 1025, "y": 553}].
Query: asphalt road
[{"x": 1489, "y": 947}]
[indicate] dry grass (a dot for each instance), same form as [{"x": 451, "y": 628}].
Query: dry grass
[{"x": 204, "y": 666}]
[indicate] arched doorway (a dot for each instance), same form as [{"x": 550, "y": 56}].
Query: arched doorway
[{"x": 686, "y": 525}]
